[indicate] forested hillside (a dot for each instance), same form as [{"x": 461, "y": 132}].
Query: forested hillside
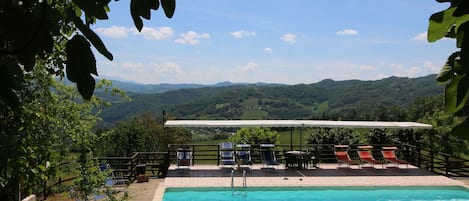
[{"x": 303, "y": 101}]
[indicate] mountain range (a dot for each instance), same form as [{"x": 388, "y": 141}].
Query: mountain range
[{"x": 269, "y": 101}]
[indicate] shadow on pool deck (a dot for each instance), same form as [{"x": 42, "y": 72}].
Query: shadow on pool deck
[{"x": 330, "y": 170}]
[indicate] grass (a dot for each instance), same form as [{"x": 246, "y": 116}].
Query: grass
[
  {"x": 254, "y": 114},
  {"x": 321, "y": 107},
  {"x": 253, "y": 110},
  {"x": 285, "y": 136}
]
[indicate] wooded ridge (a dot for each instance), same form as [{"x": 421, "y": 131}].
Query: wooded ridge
[{"x": 275, "y": 101}]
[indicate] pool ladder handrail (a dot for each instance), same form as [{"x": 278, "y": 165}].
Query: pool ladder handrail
[
  {"x": 232, "y": 180},
  {"x": 244, "y": 182},
  {"x": 244, "y": 179}
]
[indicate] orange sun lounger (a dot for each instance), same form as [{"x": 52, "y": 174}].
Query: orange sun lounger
[
  {"x": 342, "y": 156},
  {"x": 364, "y": 152},
  {"x": 389, "y": 155}
]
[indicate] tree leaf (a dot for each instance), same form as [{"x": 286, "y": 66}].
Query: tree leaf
[
  {"x": 27, "y": 59},
  {"x": 9, "y": 97},
  {"x": 80, "y": 59},
  {"x": 461, "y": 130},
  {"x": 94, "y": 8},
  {"x": 11, "y": 78},
  {"x": 154, "y": 4},
  {"x": 459, "y": 38},
  {"x": 463, "y": 43},
  {"x": 456, "y": 93},
  {"x": 134, "y": 12},
  {"x": 14, "y": 75},
  {"x": 442, "y": 22},
  {"x": 168, "y": 6},
  {"x": 462, "y": 9},
  {"x": 86, "y": 86},
  {"x": 144, "y": 9},
  {"x": 447, "y": 72},
  {"x": 91, "y": 35}
]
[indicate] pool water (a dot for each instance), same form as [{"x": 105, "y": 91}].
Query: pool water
[{"x": 454, "y": 193}]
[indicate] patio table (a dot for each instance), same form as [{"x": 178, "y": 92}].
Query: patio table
[{"x": 298, "y": 159}]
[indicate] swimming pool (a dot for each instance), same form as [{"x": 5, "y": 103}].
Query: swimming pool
[{"x": 406, "y": 193}]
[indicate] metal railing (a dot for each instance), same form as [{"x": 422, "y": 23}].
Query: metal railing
[
  {"x": 440, "y": 163},
  {"x": 437, "y": 162},
  {"x": 157, "y": 163}
]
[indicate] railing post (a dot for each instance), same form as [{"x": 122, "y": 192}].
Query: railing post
[
  {"x": 432, "y": 156},
  {"x": 419, "y": 158},
  {"x": 218, "y": 155},
  {"x": 167, "y": 161},
  {"x": 193, "y": 154},
  {"x": 447, "y": 165},
  {"x": 132, "y": 166}
]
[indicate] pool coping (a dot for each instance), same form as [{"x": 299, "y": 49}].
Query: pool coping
[{"x": 306, "y": 181}]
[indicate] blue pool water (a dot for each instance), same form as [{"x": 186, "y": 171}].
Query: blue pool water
[{"x": 319, "y": 193}]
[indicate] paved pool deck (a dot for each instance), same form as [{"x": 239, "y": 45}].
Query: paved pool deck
[{"x": 325, "y": 175}]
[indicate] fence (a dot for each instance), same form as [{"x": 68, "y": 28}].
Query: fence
[
  {"x": 157, "y": 163},
  {"x": 440, "y": 163},
  {"x": 123, "y": 168}
]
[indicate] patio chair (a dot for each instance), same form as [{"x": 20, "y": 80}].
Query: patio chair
[
  {"x": 342, "y": 156},
  {"x": 268, "y": 154},
  {"x": 111, "y": 179},
  {"x": 184, "y": 157},
  {"x": 243, "y": 154},
  {"x": 227, "y": 156},
  {"x": 364, "y": 152},
  {"x": 389, "y": 155}
]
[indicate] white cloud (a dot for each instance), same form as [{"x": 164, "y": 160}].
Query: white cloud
[
  {"x": 367, "y": 68},
  {"x": 397, "y": 66},
  {"x": 431, "y": 67},
  {"x": 249, "y": 67},
  {"x": 268, "y": 49},
  {"x": 242, "y": 34},
  {"x": 160, "y": 33},
  {"x": 113, "y": 32},
  {"x": 401, "y": 70},
  {"x": 289, "y": 38},
  {"x": 347, "y": 32},
  {"x": 191, "y": 38},
  {"x": 132, "y": 66},
  {"x": 381, "y": 76},
  {"x": 157, "y": 71},
  {"x": 147, "y": 32},
  {"x": 167, "y": 68},
  {"x": 413, "y": 71},
  {"x": 420, "y": 37}
]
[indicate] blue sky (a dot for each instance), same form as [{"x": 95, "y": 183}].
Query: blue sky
[{"x": 294, "y": 41}]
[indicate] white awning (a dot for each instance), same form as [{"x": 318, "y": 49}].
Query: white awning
[{"x": 294, "y": 123}]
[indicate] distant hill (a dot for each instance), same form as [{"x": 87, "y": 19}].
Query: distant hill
[
  {"x": 273, "y": 101},
  {"x": 152, "y": 88},
  {"x": 160, "y": 88}
]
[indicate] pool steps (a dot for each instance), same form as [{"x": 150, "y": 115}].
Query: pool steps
[{"x": 244, "y": 183}]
